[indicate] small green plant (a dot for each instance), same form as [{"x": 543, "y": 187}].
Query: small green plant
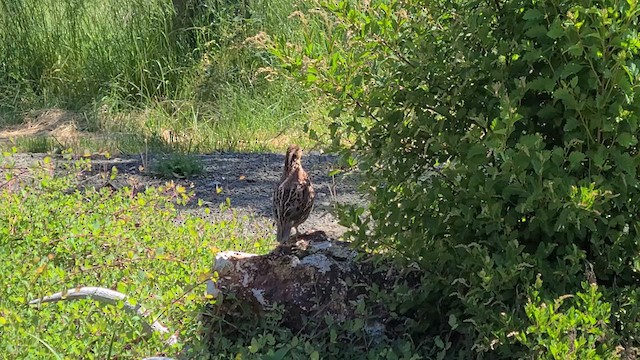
[
  {"x": 265, "y": 337},
  {"x": 38, "y": 144},
  {"x": 178, "y": 165},
  {"x": 571, "y": 327}
]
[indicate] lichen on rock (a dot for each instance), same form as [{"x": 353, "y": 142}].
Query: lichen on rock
[{"x": 310, "y": 277}]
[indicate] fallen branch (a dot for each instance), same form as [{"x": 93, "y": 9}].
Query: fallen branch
[{"x": 111, "y": 297}]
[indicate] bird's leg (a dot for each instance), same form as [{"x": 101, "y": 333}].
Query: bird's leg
[
  {"x": 284, "y": 232},
  {"x": 297, "y": 232}
]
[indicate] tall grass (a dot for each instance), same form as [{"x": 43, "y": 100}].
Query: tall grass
[
  {"x": 69, "y": 52},
  {"x": 148, "y": 66}
]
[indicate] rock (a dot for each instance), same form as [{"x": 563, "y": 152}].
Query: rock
[{"x": 309, "y": 277}]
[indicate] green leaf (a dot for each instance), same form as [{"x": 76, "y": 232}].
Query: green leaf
[
  {"x": 536, "y": 31},
  {"x": 531, "y": 142},
  {"x": 566, "y": 97},
  {"x": 255, "y": 346},
  {"x": 624, "y": 162},
  {"x": 575, "y": 50},
  {"x": 532, "y": 55},
  {"x": 453, "y": 322},
  {"x": 280, "y": 353},
  {"x": 335, "y": 112},
  {"x": 121, "y": 287},
  {"x": 555, "y": 30},
  {"x": 599, "y": 157},
  {"x": 576, "y": 158},
  {"x": 477, "y": 149},
  {"x": 626, "y": 139},
  {"x": 358, "y": 324},
  {"x": 570, "y": 69},
  {"x": 571, "y": 124},
  {"x": 533, "y": 14},
  {"x": 438, "y": 342},
  {"x": 542, "y": 83}
]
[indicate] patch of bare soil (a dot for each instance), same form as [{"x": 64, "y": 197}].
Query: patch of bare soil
[{"x": 247, "y": 179}]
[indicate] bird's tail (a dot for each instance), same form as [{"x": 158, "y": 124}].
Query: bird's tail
[{"x": 284, "y": 231}]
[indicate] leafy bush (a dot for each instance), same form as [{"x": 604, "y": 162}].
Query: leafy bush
[
  {"x": 55, "y": 236},
  {"x": 268, "y": 340},
  {"x": 580, "y": 332},
  {"x": 499, "y": 140}
]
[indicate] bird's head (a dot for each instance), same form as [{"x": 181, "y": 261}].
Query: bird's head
[{"x": 292, "y": 160}]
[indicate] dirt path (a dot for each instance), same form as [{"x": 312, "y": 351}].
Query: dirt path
[{"x": 247, "y": 179}]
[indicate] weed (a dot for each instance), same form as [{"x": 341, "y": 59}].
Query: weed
[
  {"x": 179, "y": 166},
  {"x": 38, "y": 144}
]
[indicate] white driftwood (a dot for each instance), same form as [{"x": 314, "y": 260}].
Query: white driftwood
[{"x": 112, "y": 297}]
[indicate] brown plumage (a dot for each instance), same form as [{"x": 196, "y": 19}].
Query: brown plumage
[{"x": 293, "y": 196}]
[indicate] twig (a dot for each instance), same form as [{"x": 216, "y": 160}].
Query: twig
[{"x": 395, "y": 51}]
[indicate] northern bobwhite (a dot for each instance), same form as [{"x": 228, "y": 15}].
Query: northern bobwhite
[{"x": 293, "y": 196}]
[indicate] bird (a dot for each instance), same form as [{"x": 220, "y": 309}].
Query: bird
[{"x": 293, "y": 197}]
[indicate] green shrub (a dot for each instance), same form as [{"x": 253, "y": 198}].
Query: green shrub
[
  {"x": 56, "y": 236},
  {"x": 499, "y": 140},
  {"x": 268, "y": 340},
  {"x": 579, "y": 332}
]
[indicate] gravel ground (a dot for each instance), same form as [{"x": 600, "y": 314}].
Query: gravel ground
[{"x": 247, "y": 179}]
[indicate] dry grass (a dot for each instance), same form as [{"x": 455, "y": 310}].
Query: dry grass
[
  {"x": 54, "y": 130},
  {"x": 58, "y": 123}
]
